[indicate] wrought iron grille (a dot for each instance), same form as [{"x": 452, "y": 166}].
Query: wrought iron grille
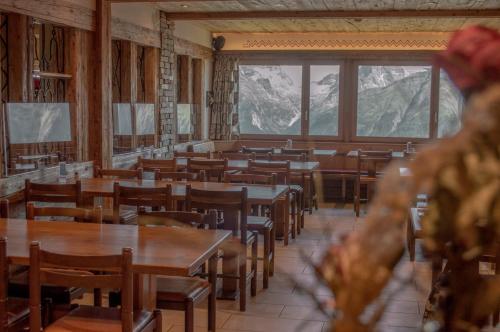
[
  {"x": 116, "y": 62},
  {"x": 141, "y": 74},
  {"x": 4, "y": 58}
]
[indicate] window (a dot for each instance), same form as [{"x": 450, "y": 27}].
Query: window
[
  {"x": 451, "y": 105},
  {"x": 270, "y": 98},
  {"x": 393, "y": 101},
  {"x": 324, "y": 100},
  {"x": 184, "y": 119}
]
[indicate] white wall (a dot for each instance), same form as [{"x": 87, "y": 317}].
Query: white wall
[{"x": 193, "y": 33}]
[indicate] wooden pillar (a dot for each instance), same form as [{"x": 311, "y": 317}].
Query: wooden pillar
[
  {"x": 198, "y": 91},
  {"x": 79, "y": 44},
  {"x": 152, "y": 73},
  {"x": 19, "y": 67},
  {"x": 128, "y": 69},
  {"x": 101, "y": 126},
  {"x": 184, "y": 82}
]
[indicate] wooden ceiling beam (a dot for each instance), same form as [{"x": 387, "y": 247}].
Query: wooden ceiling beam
[{"x": 346, "y": 14}]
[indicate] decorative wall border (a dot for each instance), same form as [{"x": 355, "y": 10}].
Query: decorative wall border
[{"x": 336, "y": 41}]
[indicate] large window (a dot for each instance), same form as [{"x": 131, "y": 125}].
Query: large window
[
  {"x": 347, "y": 96},
  {"x": 393, "y": 101},
  {"x": 270, "y": 99},
  {"x": 451, "y": 105},
  {"x": 324, "y": 100}
]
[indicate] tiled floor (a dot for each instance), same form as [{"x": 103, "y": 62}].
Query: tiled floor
[{"x": 283, "y": 307}]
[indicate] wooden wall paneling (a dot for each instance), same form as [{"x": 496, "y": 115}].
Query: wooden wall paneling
[
  {"x": 184, "y": 82},
  {"x": 129, "y": 80},
  {"x": 152, "y": 74},
  {"x": 19, "y": 69},
  {"x": 101, "y": 127},
  {"x": 198, "y": 96}
]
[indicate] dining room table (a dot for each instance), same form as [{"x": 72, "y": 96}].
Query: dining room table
[
  {"x": 275, "y": 196},
  {"x": 157, "y": 251},
  {"x": 395, "y": 154}
]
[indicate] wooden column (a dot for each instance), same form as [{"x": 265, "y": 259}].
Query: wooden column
[
  {"x": 152, "y": 74},
  {"x": 19, "y": 67},
  {"x": 198, "y": 91},
  {"x": 129, "y": 80},
  {"x": 184, "y": 82},
  {"x": 100, "y": 120}
]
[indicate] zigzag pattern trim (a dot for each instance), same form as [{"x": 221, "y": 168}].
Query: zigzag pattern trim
[{"x": 345, "y": 43}]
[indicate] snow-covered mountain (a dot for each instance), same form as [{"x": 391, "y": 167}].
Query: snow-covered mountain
[{"x": 393, "y": 101}]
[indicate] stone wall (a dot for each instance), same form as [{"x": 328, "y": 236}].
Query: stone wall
[{"x": 167, "y": 94}]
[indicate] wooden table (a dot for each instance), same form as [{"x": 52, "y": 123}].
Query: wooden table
[
  {"x": 274, "y": 196},
  {"x": 395, "y": 154},
  {"x": 157, "y": 250},
  {"x": 242, "y": 165}
]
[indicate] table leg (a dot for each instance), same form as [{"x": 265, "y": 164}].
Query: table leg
[
  {"x": 144, "y": 291},
  {"x": 212, "y": 279},
  {"x": 286, "y": 216},
  {"x": 230, "y": 261}
]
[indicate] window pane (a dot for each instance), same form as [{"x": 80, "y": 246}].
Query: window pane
[
  {"x": 394, "y": 101},
  {"x": 270, "y": 99},
  {"x": 324, "y": 100},
  {"x": 451, "y": 105},
  {"x": 183, "y": 118}
]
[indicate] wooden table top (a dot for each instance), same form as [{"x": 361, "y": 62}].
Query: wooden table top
[
  {"x": 242, "y": 165},
  {"x": 395, "y": 154},
  {"x": 157, "y": 250},
  {"x": 257, "y": 194}
]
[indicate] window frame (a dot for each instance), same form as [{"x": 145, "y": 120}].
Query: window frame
[{"x": 348, "y": 62}]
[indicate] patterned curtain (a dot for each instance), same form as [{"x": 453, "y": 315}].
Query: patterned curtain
[{"x": 224, "y": 106}]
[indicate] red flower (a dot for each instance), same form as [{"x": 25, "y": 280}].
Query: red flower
[{"x": 472, "y": 58}]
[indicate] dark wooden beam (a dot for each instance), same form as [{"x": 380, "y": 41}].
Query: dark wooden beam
[
  {"x": 19, "y": 66},
  {"x": 100, "y": 122},
  {"x": 312, "y": 14}
]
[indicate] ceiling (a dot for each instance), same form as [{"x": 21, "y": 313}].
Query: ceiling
[{"x": 372, "y": 24}]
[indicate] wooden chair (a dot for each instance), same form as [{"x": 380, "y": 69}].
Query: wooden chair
[
  {"x": 117, "y": 173},
  {"x": 179, "y": 154},
  {"x": 236, "y": 155},
  {"x": 4, "y": 208},
  {"x": 233, "y": 204},
  {"x": 164, "y": 165},
  {"x": 180, "y": 293},
  {"x": 368, "y": 172},
  {"x": 14, "y": 312},
  {"x": 53, "y": 193},
  {"x": 283, "y": 173},
  {"x": 71, "y": 270},
  {"x": 180, "y": 176},
  {"x": 127, "y": 216},
  {"x": 213, "y": 168},
  {"x": 78, "y": 214},
  {"x": 413, "y": 230},
  {"x": 261, "y": 151},
  {"x": 261, "y": 224},
  {"x": 140, "y": 197}
]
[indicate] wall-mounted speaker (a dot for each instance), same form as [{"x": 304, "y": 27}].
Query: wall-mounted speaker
[{"x": 218, "y": 43}]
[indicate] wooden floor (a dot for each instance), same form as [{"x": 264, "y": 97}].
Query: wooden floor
[{"x": 283, "y": 307}]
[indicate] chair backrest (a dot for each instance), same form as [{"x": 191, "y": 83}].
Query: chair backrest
[
  {"x": 236, "y": 155},
  {"x": 248, "y": 178},
  {"x": 281, "y": 168},
  {"x": 164, "y": 165},
  {"x": 72, "y": 271},
  {"x": 229, "y": 202},
  {"x": 173, "y": 218},
  {"x": 117, "y": 173},
  {"x": 4, "y": 208},
  {"x": 77, "y": 214},
  {"x": 53, "y": 193},
  {"x": 372, "y": 161},
  {"x": 245, "y": 149},
  {"x": 285, "y": 157},
  {"x": 180, "y": 176},
  {"x": 213, "y": 168},
  {"x": 307, "y": 152},
  {"x": 179, "y": 154},
  {"x": 155, "y": 197}
]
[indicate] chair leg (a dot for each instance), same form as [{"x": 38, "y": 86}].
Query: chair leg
[
  {"x": 273, "y": 246},
  {"x": 294, "y": 215},
  {"x": 159, "y": 322},
  {"x": 253, "y": 282},
  {"x": 357, "y": 199},
  {"x": 267, "y": 254},
  {"x": 189, "y": 317},
  {"x": 243, "y": 280}
]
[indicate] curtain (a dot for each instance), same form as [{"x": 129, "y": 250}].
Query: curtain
[{"x": 224, "y": 105}]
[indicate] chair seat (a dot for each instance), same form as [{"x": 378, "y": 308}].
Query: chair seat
[
  {"x": 19, "y": 287},
  {"x": 17, "y": 310},
  {"x": 127, "y": 216},
  {"x": 87, "y": 318},
  {"x": 178, "y": 289},
  {"x": 256, "y": 223}
]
